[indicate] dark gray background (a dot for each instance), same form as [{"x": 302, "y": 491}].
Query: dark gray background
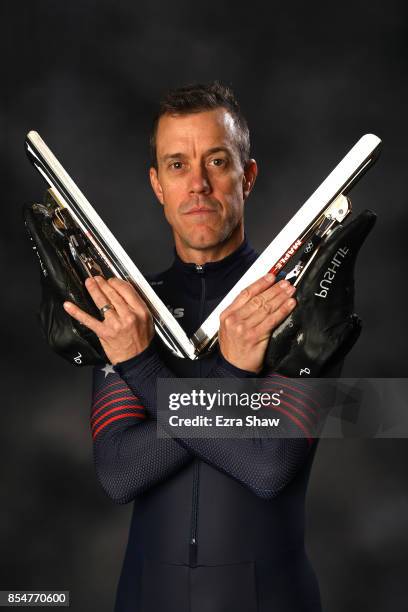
[{"x": 312, "y": 78}]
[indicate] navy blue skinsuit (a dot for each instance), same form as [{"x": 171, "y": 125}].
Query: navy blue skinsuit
[{"x": 217, "y": 525}]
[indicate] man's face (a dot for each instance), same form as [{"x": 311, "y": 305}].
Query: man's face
[{"x": 200, "y": 180}]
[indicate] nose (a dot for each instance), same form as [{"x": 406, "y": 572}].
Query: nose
[{"x": 199, "y": 180}]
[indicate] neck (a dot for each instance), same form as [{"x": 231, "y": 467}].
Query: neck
[{"x": 216, "y": 252}]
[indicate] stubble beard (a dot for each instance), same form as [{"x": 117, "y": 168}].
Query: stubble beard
[{"x": 202, "y": 240}]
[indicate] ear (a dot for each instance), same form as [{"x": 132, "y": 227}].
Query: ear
[
  {"x": 249, "y": 178},
  {"x": 156, "y": 186}
]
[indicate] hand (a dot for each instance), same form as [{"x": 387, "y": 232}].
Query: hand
[
  {"x": 246, "y": 325},
  {"x": 127, "y": 328}
]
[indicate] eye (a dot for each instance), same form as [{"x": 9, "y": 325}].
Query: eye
[
  {"x": 177, "y": 165},
  {"x": 218, "y": 161}
]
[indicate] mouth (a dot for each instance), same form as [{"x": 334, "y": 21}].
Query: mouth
[{"x": 200, "y": 211}]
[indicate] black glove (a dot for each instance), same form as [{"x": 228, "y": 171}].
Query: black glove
[
  {"x": 322, "y": 329},
  {"x": 60, "y": 281}
]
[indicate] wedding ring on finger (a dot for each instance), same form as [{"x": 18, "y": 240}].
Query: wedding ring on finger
[{"x": 105, "y": 309}]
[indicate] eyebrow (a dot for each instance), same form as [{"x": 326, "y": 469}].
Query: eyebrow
[
  {"x": 208, "y": 152},
  {"x": 218, "y": 150},
  {"x": 172, "y": 156}
]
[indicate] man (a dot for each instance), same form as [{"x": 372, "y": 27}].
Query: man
[{"x": 217, "y": 524}]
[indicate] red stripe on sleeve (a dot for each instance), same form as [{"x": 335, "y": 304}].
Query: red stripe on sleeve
[
  {"x": 125, "y": 407},
  {"x": 284, "y": 385},
  {"x": 113, "y": 401},
  {"x": 293, "y": 397},
  {"x": 297, "y": 422},
  {"x": 118, "y": 382},
  {"x": 123, "y": 390},
  {"x": 296, "y": 410},
  {"x": 116, "y": 418}
]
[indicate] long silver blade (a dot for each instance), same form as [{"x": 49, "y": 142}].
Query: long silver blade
[
  {"x": 105, "y": 242},
  {"x": 339, "y": 181}
]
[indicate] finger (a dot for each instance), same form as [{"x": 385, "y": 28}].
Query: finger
[
  {"x": 99, "y": 296},
  {"x": 274, "y": 319},
  {"x": 267, "y": 308},
  {"x": 83, "y": 317},
  {"x": 110, "y": 295},
  {"x": 128, "y": 294},
  {"x": 266, "y": 302},
  {"x": 251, "y": 291}
]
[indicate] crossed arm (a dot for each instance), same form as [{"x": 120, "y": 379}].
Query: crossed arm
[{"x": 129, "y": 456}]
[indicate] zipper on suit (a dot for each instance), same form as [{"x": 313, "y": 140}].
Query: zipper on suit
[
  {"x": 194, "y": 514},
  {"x": 196, "y": 469}
]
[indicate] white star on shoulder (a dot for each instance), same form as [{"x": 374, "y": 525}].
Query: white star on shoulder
[{"x": 108, "y": 369}]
